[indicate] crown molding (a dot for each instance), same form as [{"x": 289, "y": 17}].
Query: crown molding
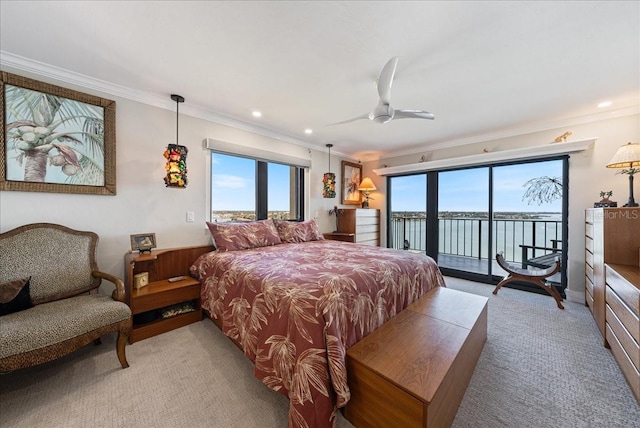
[
  {"x": 15, "y": 63},
  {"x": 490, "y": 157}
]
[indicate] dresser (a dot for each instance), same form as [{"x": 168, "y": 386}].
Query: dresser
[
  {"x": 360, "y": 225},
  {"x": 612, "y": 235},
  {"x": 622, "y": 314},
  {"x": 612, "y": 284}
]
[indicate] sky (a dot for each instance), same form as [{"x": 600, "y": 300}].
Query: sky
[
  {"x": 234, "y": 180},
  {"x": 233, "y": 187},
  {"x": 468, "y": 189}
]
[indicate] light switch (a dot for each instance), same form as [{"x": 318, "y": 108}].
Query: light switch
[{"x": 190, "y": 217}]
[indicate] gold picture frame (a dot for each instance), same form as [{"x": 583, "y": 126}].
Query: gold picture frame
[
  {"x": 351, "y": 178},
  {"x": 67, "y": 145},
  {"x": 143, "y": 242}
]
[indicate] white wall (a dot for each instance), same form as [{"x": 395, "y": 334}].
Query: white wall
[
  {"x": 143, "y": 204},
  {"x": 587, "y": 177}
]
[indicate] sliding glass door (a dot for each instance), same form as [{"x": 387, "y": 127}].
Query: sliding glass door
[
  {"x": 464, "y": 217},
  {"x": 528, "y": 214},
  {"x": 408, "y": 213},
  {"x": 463, "y": 220}
]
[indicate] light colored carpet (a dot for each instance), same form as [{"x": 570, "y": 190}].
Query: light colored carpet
[{"x": 540, "y": 367}]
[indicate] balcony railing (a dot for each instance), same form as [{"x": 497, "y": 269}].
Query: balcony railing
[{"x": 468, "y": 237}]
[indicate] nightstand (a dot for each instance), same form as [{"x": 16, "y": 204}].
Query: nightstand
[
  {"x": 338, "y": 236},
  {"x": 152, "y": 303}
]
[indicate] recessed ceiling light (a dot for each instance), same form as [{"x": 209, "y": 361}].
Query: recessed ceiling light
[
  {"x": 308, "y": 131},
  {"x": 604, "y": 104},
  {"x": 256, "y": 113}
]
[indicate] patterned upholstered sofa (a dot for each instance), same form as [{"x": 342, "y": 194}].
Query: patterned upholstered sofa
[{"x": 49, "y": 301}]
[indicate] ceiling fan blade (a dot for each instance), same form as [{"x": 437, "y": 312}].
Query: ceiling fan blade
[
  {"x": 413, "y": 114},
  {"x": 386, "y": 79},
  {"x": 363, "y": 116}
]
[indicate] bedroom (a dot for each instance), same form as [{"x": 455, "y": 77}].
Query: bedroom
[{"x": 146, "y": 124}]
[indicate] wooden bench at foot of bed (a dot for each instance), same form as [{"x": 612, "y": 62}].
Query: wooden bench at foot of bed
[{"x": 414, "y": 370}]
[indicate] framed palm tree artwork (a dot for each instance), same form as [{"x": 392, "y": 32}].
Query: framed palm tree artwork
[
  {"x": 351, "y": 177},
  {"x": 55, "y": 139}
]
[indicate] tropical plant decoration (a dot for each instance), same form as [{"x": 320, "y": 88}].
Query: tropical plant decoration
[
  {"x": 52, "y": 139},
  {"x": 542, "y": 190},
  {"x": 176, "y": 166}
]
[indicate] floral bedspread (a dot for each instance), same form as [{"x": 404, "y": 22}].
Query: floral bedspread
[{"x": 296, "y": 308}]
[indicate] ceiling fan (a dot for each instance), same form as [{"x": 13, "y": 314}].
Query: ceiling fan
[{"x": 383, "y": 112}]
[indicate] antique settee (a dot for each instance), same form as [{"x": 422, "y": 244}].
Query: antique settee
[{"x": 49, "y": 301}]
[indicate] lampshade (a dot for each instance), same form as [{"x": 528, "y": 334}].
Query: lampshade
[
  {"x": 627, "y": 156},
  {"x": 329, "y": 180},
  {"x": 367, "y": 185},
  {"x": 176, "y": 156}
]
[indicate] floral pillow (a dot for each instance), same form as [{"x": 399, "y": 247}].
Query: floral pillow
[
  {"x": 303, "y": 231},
  {"x": 242, "y": 236}
]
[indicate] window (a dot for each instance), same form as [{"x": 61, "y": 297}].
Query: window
[{"x": 248, "y": 189}]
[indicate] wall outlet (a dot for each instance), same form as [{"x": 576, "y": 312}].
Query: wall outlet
[{"x": 190, "y": 217}]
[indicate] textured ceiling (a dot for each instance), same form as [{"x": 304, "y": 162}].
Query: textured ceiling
[{"x": 486, "y": 69}]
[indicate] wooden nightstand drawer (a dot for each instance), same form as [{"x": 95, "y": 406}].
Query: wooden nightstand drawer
[
  {"x": 588, "y": 244},
  {"x": 344, "y": 237}
]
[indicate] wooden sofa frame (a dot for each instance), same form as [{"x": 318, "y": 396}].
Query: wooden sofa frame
[{"x": 14, "y": 327}]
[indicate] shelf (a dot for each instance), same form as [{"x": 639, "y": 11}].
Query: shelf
[{"x": 160, "y": 326}]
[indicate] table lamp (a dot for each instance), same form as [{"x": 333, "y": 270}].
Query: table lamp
[
  {"x": 366, "y": 186},
  {"x": 627, "y": 157}
]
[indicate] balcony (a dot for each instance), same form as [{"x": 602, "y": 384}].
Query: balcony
[{"x": 463, "y": 242}]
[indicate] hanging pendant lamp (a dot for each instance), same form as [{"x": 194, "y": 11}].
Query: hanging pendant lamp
[
  {"x": 329, "y": 180},
  {"x": 176, "y": 156}
]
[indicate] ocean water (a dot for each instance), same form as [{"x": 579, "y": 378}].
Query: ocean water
[{"x": 467, "y": 234}]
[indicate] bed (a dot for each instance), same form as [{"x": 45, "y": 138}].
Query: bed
[{"x": 294, "y": 303}]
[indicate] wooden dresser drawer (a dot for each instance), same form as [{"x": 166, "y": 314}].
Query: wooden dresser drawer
[
  {"x": 588, "y": 284},
  {"x": 588, "y": 230},
  {"x": 628, "y": 319},
  {"x": 588, "y": 244},
  {"x": 628, "y": 343},
  {"x": 630, "y": 372},
  {"x": 589, "y": 299},
  {"x": 588, "y": 258},
  {"x": 588, "y": 271},
  {"x": 589, "y": 215},
  {"x": 626, "y": 291}
]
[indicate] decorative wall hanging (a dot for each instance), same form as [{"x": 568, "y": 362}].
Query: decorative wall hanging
[
  {"x": 329, "y": 180},
  {"x": 176, "y": 155},
  {"x": 55, "y": 139},
  {"x": 351, "y": 177}
]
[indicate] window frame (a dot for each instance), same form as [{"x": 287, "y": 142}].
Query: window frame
[{"x": 261, "y": 186}]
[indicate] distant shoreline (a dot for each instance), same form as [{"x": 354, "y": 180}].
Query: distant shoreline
[{"x": 227, "y": 215}]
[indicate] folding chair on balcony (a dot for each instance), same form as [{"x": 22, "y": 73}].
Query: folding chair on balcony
[{"x": 533, "y": 276}]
